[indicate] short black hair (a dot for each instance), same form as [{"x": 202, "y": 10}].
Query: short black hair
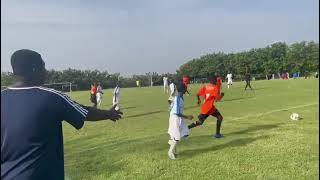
[
  {"x": 26, "y": 63},
  {"x": 181, "y": 88}
]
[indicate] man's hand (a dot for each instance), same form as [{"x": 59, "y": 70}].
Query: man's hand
[{"x": 114, "y": 114}]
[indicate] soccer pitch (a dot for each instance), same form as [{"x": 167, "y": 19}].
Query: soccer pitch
[{"x": 261, "y": 142}]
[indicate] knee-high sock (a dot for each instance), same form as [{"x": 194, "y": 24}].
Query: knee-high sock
[
  {"x": 218, "y": 127},
  {"x": 173, "y": 145},
  {"x": 197, "y": 123}
]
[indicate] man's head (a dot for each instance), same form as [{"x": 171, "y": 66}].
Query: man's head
[
  {"x": 212, "y": 79},
  {"x": 28, "y": 66},
  {"x": 181, "y": 87}
]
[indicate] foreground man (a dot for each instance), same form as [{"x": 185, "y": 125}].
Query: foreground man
[{"x": 31, "y": 122}]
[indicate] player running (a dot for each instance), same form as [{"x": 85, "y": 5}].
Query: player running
[
  {"x": 177, "y": 125},
  {"x": 210, "y": 93},
  {"x": 229, "y": 78}
]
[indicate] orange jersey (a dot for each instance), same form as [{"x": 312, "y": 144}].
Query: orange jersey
[
  {"x": 210, "y": 94},
  {"x": 93, "y": 90}
]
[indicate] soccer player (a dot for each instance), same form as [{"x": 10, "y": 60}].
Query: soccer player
[
  {"x": 93, "y": 94},
  {"x": 138, "y": 83},
  {"x": 177, "y": 125},
  {"x": 99, "y": 94},
  {"x": 31, "y": 122},
  {"x": 247, "y": 78},
  {"x": 210, "y": 93},
  {"x": 229, "y": 77},
  {"x": 116, "y": 97},
  {"x": 173, "y": 92},
  {"x": 186, "y": 82},
  {"x": 165, "y": 85}
]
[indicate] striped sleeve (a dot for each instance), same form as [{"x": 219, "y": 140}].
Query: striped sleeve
[{"x": 69, "y": 110}]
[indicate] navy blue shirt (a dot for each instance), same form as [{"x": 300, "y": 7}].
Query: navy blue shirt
[{"x": 31, "y": 132}]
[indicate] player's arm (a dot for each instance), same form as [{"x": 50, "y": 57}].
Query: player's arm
[
  {"x": 201, "y": 92},
  {"x": 95, "y": 114}
]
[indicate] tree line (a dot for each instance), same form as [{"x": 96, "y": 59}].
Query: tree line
[{"x": 302, "y": 57}]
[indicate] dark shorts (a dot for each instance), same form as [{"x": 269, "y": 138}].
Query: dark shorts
[
  {"x": 203, "y": 117},
  {"x": 93, "y": 98}
]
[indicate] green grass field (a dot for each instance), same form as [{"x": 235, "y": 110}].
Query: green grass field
[{"x": 261, "y": 142}]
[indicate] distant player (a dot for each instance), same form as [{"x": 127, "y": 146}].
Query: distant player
[
  {"x": 116, "y": 97},
  {"x": 229, "y": 78},
  {"x": 93, "y": 94},
  {"x": 165, "y": 85},
  {"x": 177, "y": 125},
  {"x": 247, "y": 78},
  {"x": 138, "y": 83},
  {"x": 173, "y": 92},
  {"x": 210, "y": 93},
  {"x": 99, "y": 94}
]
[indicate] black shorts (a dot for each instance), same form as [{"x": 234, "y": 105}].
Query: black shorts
[
  {"x": 203, "y": 117},
  {"x": 93, "y": 98}
]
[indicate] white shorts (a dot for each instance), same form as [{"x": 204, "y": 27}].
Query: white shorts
[
  {"x": 230, "y": 81},
  {"x": 177, "y": 127}
]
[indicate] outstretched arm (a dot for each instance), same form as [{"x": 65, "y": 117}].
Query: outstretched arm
[{"x": 95, "y": 114}]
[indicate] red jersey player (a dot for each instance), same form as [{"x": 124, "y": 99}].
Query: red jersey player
[
  {"x": 186, "y": 82},
  {"x": 210, "y": 93}
]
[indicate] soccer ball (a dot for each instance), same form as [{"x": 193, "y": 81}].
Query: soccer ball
[{"x": 294, "y": 116}]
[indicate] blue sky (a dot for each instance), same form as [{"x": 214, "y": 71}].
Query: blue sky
[{"x": 139, "y": 36}]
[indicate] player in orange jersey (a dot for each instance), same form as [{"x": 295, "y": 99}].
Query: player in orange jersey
[{"x": 210, "y": 93}]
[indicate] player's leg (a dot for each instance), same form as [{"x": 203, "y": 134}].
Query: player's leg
[
  {"x": 247, "y": 84},
  {"x": 201, "y": 119},
  {"x": 219, "y": 117},
  {"x": 250, "y": 86}
]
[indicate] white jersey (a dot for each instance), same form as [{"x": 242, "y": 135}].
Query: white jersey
[
  {"x": 99, "y": 95},
  {"x": 165, "y": 81},
  {"x": 177, "y": 125},
  {"x": 99, "y": 89},
  {"x": 116, "y": 97},
  {"x": 229, "y": 76}
]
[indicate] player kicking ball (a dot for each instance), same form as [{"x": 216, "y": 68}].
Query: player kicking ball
[
  {"x": 177, "y": 125},
  {"x": 210, "y": 94}
]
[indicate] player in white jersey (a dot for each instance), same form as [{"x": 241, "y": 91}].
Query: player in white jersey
[
  {"x": 173, "y": 92},
  {"x": 99, "y": 94},
  {"x": 165, "y": 85},
  {"x": 116, "y": 97},
  {"x": 177, "y": 125},
  {"x": 229, "y": 77}
]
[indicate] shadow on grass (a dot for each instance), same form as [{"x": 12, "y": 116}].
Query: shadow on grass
[
  {"x": 142, "y": 114},
  {"x": 256, "y": 128},
  {"x": 233, "y": 143},
  {"x": 236, "y": 99},
  {"x": 132, "y": 107}
]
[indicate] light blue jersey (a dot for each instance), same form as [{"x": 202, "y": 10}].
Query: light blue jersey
[{"x": 177, "y": 105}]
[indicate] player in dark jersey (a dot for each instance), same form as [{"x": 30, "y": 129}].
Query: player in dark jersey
[
  {"x": 247, "y": 78},
  {"x": 31, "y": 122}
]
